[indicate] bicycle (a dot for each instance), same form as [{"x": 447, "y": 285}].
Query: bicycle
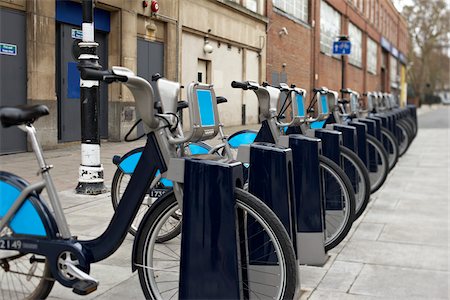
[
  {"x": 337, "y": 226},
  {"x": 400, "y": 122},
  {"x": 37, "y": 247},
  {"x": 378, "y": 163},
  {"x": 336, "y": 186}
]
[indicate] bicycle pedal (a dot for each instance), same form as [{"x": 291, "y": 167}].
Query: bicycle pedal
[{"x": 84, "y": 287}]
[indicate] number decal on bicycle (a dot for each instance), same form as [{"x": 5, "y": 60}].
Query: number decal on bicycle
[
  {"x": 155, "y": 193},
  {"x": 10, "y": 245}
]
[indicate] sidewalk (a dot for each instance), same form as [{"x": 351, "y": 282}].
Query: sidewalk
[{"x": 399, "y": 249}]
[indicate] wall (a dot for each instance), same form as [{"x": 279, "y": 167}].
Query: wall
[
  {"x": 128, "y": 21},
  {"x": 238, "y": 40},
  {"x": 291, "y": 53}
]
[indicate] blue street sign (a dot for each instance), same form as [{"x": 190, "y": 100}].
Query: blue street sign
[
  {"x": 8, "y": 49},
  {"x": 342, "y": 47}
]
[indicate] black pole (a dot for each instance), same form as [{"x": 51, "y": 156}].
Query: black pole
[
  {"x": 343, "y": 38},
  {"x": 343, "y": 74},
  {"x": 90, "y": 180}
]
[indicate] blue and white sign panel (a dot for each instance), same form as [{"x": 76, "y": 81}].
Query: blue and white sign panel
[
  {"x": 77, "y": 34},
  {"x": 342, "y": 47},
  {"x": 8, "y": 49}
]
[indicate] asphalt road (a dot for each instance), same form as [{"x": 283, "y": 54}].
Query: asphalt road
[{"x": 436, "y": 119}]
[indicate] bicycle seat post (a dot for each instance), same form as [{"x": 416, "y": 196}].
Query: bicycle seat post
[{"x": 44, "y": 169}]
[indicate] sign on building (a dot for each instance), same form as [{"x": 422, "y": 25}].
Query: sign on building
[
  {"x": 342, "y": 47},
  {"x": 8, "y": 49}
]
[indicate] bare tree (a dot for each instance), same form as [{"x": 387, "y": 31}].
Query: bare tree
[{"x": 429, "y": 29}]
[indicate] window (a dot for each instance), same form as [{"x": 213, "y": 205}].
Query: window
[
  {"x": 251, "y": 5},
  {"x": 372, "y": 55},
  {"x": 393, "y": 71},
  {"x": 355, "y": 36},
  {"x": 330, "y": 27},
  {"x": 296, "y": 8}
]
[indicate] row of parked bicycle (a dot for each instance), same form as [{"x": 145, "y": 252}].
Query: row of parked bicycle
[{"x": 229, "y": 221}]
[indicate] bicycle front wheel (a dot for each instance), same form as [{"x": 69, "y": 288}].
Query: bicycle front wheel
[
  {"x": 404, "y": 138},
  {"x": 120, "y": 181},
  {"x": 391, "y": 146},
  {"x": 339, "y": 202},
  {"x": 380, "y": 169},
  {"x": 159, "y": 264},
  {"x": 357, "y": 172},
  {"x": 23, "y": 276}
]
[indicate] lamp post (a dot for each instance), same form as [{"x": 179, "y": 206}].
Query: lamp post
[{"x": 90, "y": 179}]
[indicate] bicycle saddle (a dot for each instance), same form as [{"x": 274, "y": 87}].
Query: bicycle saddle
[{"x": 23, "y": 114}]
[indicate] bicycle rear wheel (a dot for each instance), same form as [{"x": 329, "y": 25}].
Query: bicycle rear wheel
[
  {"x": 159, "y": 264},
  {"x": 339, "y": 202}
]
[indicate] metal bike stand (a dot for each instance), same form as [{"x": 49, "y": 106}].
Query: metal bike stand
[
  {"x": 271, "y": 180},
  {"x": 412, "y": 109},
  {"x": 309, "y": 206},
  {"x": 209, "y": 247},
  {"x": 331, "y": 142},
  {"x": 349, "y": 141},
  {"x": 361, "y": 140},
  {"x": 378, "y": 125},
  {"x": 371, "y": 130},
  {"x": 349, "y": 135}
]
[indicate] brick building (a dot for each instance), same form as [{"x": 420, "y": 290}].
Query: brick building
[{"x": 301, "y": 33}]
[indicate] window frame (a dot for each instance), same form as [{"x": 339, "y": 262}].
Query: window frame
[
  {"x": 352, "y": 58},
  {"x": 372, "y": 57},
  {"x": 326, "y": 40},
  {"x": 302, "y": 14}
]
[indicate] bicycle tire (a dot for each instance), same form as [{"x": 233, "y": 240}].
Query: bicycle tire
[
  {"x": 163, "y": 207},
  {"x": 392, "y": 151},
  {"x": 362, "y": 190},
  {"x": 334, "y": 236},
  {"x": 10, "y": 272},
  {"x": 378, "y": 178},
  {"x": 119, "y": 184},
  {"x": 404, "y": 139}
]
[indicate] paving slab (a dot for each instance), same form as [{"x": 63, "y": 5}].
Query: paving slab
[
  {"x": 340, "y": 276},
  {"x": 401, "y": 283}
]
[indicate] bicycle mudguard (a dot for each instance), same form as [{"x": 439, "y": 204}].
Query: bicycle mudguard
[
  {"x": 33, "y": 218},
  {"x": 243, "y": 137}
]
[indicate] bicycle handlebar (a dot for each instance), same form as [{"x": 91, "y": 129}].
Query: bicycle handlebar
[
  {"x": 346, "y": 91},
  {"x": 101, "y": 75},
  {"x": 322, "y": 90},
  {"x": 243, "y": 85}
]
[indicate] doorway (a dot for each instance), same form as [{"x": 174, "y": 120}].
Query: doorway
[
  {"x": 13, "y": 75},
  {"x": 68, "y": 84}
]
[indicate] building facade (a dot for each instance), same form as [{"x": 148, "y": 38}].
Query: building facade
[
  {"x": 300, "y": 43},
  {"x": 210, "y": 41},
  {"x": 42, "y": 69}
]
